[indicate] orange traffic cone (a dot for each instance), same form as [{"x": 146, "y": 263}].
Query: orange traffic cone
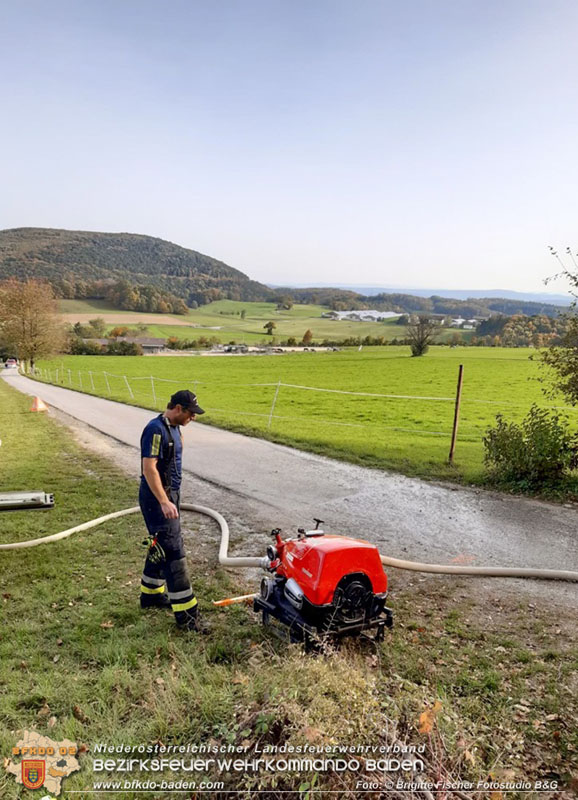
[{"x": 38, "y": 405}]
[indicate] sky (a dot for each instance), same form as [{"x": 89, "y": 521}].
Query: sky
[{"x": 422, "y": 144}]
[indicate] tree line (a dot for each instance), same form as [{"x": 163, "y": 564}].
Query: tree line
[
  {"x": 520, "y": 331},
  {"x": 346, "y": 300}
]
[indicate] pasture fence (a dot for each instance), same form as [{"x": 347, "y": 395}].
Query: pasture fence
[{"x": 300, "y": 410}]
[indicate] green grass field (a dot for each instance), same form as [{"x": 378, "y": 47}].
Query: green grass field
[
  {"x": 404, "y": 433},
  {"x": 79, "y": 660},
  {"x": 224, "y": 315},
  {"x": 73, "y": 307}
]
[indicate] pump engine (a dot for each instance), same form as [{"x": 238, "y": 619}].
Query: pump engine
[{"x": 321, "y": 585}]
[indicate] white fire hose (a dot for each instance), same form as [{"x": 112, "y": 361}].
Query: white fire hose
[{"x": 229, "y": 561}]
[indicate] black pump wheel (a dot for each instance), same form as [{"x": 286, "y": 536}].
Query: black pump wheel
[{"x": 351, "y": 598}]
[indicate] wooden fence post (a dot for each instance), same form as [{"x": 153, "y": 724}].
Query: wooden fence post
[{"x": 456, "y": 413}]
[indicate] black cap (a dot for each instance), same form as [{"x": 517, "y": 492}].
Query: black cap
[{"x": 187, "y": 400}]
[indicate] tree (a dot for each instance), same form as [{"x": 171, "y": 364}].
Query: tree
[
  {"x": 99, "y": 326},
  {"x": 284, "y": 302},
  {"x": 119, "y": 330},
  {"x": 270, "y": 327},
  {"x": 243, "y": 313},
  {"x": 124, "y": 349},
  {"x": 85, "y": 347},
  {"x": 420, "y": 335},
  {"x": 307, "y": 336},
  {"x": 563, "y": 359},
  {"x": 29, "y": 321}
]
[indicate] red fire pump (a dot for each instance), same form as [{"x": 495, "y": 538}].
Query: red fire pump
[{"x": 323, "y": 585}]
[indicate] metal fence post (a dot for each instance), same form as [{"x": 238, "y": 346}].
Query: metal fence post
[
  {"x": 273, "y": 404},
  {"x": 154, "y": 392},
  {"x": 128, "y": 387},
  {"x": 107, "y": 384}
]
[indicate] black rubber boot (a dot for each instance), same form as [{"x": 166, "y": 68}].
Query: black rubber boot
[
  {"x": 193, "y": 622},
  {"x": 155, "y": 601}
]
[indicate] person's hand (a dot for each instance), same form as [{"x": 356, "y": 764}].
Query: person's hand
[{"x": 170, "y": 511}]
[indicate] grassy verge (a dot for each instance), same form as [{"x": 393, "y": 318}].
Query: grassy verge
[{"x": 79, "y": 660}]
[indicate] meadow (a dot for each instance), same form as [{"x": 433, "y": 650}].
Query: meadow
[
  {"x": 378, "y": 406},
  {"x": 222, "y": 320}
]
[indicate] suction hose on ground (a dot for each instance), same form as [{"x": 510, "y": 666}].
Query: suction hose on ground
[
  {"x": 486, "y": 572},
  {"x": 224, "y": 559},
  {"x": 229, "y": 561}
]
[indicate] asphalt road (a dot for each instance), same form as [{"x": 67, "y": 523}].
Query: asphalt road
[{"x": 258, "y": 485}]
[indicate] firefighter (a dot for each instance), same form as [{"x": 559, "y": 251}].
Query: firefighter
[{"x": 159, "y": 499}]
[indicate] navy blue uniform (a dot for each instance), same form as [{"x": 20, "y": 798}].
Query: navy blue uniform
[{"x": 163, "y": 441}]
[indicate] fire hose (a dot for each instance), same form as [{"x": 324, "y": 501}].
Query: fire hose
[{"x": 244, "y": 562}]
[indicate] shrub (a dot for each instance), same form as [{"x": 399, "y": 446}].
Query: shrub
[
  {"x": 534, "y": 454},
  {"x": 84, "y": 347},
  {"x": 124, "y": 349}
]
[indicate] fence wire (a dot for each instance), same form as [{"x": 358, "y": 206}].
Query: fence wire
[{"x": 264, "y": 403}]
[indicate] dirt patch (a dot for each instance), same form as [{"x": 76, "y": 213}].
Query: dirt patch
[{"x": 128, "y": 319}]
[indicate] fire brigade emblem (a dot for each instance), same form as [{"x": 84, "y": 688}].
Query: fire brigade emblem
[{"x": 33, "y": 773}]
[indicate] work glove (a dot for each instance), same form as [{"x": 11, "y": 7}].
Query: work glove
[{"x": 156, "y": 554}]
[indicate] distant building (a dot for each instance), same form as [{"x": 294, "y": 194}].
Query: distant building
[
  {"x": 361, "y": 315},
  {"x": 149, "y": 345},
  {"x": 466, "y": 324}
]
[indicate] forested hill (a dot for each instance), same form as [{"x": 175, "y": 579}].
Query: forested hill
[
  {"x": 74, "y": 260},
  {"x": 143, "y": 273}
]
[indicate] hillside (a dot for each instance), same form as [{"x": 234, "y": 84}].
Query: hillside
[
  {"x": 66, "y": 258},
  {"x": 112, "y": 266}
]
